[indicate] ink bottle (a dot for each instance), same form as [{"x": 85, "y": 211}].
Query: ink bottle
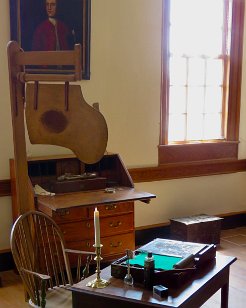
[{"x": 149, "y": 268}]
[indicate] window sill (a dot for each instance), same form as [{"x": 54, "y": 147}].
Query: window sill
[{"x": 180, "y": 153}]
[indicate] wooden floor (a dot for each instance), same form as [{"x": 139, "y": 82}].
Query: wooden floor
[{"x": 233, "y": 242}]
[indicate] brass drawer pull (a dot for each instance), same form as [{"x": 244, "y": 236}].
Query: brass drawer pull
[
  {"x": 118, "y": 244},
  {"x": 111, "y": 207},
  {"x": 63, "y": 212},
  {"x": 115, "y": 225},
  {"x": 88, "y": 244},
  {"x": 88, "y": 225}
]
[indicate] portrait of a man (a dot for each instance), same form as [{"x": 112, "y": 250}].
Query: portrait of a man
[
  {"x": 52, "y": 25},
  {"x": 52, "y": 33}
]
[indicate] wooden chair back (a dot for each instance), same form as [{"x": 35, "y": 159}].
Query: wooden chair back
[{"x": 38, "y": 247}]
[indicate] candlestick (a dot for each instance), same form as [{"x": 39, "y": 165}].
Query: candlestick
[
  {"x": 98, "y": 282},
  {"x": 97, "y": 228}
]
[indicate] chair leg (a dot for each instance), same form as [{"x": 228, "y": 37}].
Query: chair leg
[
  {"x": 27, "y": 297},
  {"x": 43, "y": 293}
]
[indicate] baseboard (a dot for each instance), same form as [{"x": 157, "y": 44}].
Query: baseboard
[
  {"x": 6, "y": 261},
  {"x": 233, "y": 221},
  {"x": 144, "y": 235}
]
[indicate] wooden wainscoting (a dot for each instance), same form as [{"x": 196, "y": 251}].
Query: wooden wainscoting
[{"x": 5, "y": 188}]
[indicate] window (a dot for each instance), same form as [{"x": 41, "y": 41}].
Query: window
[{"x": 201, "y": 80}]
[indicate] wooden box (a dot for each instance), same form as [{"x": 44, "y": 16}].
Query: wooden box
[
  {"x": 167, "y": 278},
  {"x": 194, "y": 256},
  {"x": 199, "y": 228}
]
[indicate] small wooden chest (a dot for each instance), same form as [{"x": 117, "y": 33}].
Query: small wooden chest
[{"x": 199, "y": 228}]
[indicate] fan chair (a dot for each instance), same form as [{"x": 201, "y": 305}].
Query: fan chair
[
  {"x": 42, "y": 261},
  {"x": 55, "y": 113}
]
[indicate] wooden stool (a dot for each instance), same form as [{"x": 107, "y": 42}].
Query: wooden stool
[{"x": 199, "y": 228}]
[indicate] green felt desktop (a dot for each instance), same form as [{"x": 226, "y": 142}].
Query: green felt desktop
[{"x": 161, "y": 261}]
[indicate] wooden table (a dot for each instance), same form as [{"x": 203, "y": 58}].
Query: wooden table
[{"x": 193, "y": 293}]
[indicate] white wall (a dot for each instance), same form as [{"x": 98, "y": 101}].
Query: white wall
[{"x": 125, "y": 80}]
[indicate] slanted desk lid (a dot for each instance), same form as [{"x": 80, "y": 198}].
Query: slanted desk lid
[{"x": 92, "y": 198}]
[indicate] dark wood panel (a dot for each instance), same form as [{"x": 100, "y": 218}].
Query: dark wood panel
[
  {"x": 188, "y": 169},
  {"x": 5, "y": 188},
  {"x": 167, "y": 172}
]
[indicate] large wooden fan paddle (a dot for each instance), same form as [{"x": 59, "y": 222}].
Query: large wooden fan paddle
[{"x": 58, "y": 114}]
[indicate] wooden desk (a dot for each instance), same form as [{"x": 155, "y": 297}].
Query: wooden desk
[
  {"x": 193, "y": 293},
  {"x": 72, "y": 208}
]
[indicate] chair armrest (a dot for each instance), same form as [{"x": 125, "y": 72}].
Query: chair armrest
[
  {"x": 80, "y": 252},
  {"x": 40, "y": 301},
  {"x": 41, "y": 276},
  {"x": 86, "y": 269}
]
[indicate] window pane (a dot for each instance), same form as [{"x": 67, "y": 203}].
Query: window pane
[
  {"x": 212, "y": 126},
  {"x": 177, "y": 71},
  {"x": 177, "y": 127},
  {"x": 195, "y": 103},
  {"x": 196, "y": 73},
  {"x": 177, "y": 100},
  {"x": 213, "y": 100},
  {"x": 214, "y": 72},
  {"x": 191, "y": 33},
  {"x": 195, "y": 127}
]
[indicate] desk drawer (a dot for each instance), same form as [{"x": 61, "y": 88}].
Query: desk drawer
[
  {"x": 112, "y": 209},
  {"x": 111, "y": 245},
  {"x": 80, "y": 230},
  {"x": 117, "y": 224},
  {"x": 70, "y": 214},
  {"x": 118, "y": 243}
]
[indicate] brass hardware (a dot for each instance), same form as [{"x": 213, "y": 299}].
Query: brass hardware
[
  {"x": 98, "y": 282},
  {"x": 115, "y": 225},
  {"x": 64, "y": 232},
  {"x": 88, "y": 225},
  {"x": 88, "y": 244},
  {"x": 111, "y": 207},
  {"x": 63, "y": 212},
  {"x": 116, "y": 245}
]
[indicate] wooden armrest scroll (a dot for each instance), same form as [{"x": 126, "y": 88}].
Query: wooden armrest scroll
[
  {"x": 40, "y": 302},
  {"x": 41, "y": 276},
  {"x": 86, "y": 270},
  {"x": 80, "y": 252}
]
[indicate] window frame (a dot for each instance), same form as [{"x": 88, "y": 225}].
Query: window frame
[{"x": 215, "y": 149}]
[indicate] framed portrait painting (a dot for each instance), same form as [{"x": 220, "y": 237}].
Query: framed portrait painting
[{"x": 52, "y": 25}]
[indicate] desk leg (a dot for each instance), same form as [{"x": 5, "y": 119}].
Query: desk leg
[{"x": 224, "y": 295}]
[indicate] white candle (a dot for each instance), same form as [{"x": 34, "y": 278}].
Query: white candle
[{"x": 97, "y": 228}]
